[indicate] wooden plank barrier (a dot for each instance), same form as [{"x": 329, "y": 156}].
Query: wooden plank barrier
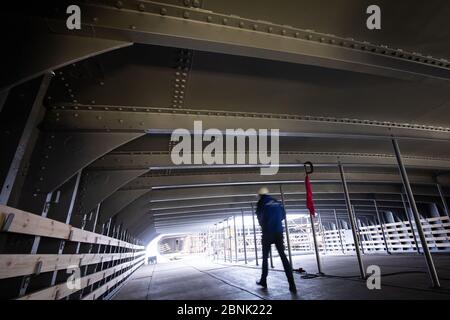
[
  {"x": 128, "y": 259},
  {"x": 62, "y": 290},
  {"x": 18, "y": 221}
]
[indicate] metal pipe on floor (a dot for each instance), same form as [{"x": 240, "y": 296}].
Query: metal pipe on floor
[
  {"x": 382, "y": 227},
  {"x": 444, "y": 202},
  {"x": 339, "y": 231},
  {"x": 286, "y": 226},
  {"x": 254, "y": 234},
  {"x": 243, "y": 237},
  {"x": 412, "y": 202},
  {"x": 410, "y": 224},
  {"x": 352, "y": 221}
]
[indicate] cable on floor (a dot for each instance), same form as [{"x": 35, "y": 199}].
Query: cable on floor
[{"x": 230, "y": 284}]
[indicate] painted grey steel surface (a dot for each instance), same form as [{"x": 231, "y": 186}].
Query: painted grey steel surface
[{"x": 237, "y": 65}]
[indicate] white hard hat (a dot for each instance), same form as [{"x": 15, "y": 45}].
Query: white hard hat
[{"x": 263, "y": 191}]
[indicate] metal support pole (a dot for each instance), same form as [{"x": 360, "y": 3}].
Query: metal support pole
[
  {"x": 286, "y": 226},
  {"x": 62, "y": 243},
  {"x": 34, "y": 247},
  {"x": 410, "y": 224},
  {"x": 361, "y": 239},
  {"x": 229, "y": 240},
  {"x": 243, "y": 237},
  {"x": 235, "y": 239},
  {"x": 339, "y": 231},
  {"x": 316, "y": 247},
  {"x": 382, "y": 227},
  {"x": 323, "y": 232},
  {"x": 216, "y": 252},
  {"x": 224, "y": 242},
  {"x": 412, "y": 202},
  {"x": 444, "y": 202},
  {"x": 352, "y": 221},
  {"x": 254, "y": 235}
]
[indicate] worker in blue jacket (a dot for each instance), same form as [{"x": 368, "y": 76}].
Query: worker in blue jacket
[{"x": 270, "y": 213}]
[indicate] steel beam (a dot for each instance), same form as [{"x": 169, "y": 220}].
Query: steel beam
[
  {"x": 58, "y": 153},
  {"x": 117, "y": 201},
  {"x": 254, "y": 234},
  {"x": 429, "y": 260},
  {"x": 411, "y": 225},
  {"x": 190, "y": 28},
  {"x": 243, "y": 237},
  {"x": 34, "y": 117},
  {"x": 165, "y": 120},
  {"x": 98, "y": 185},
  {"x": 444, "y": 202},
  {"x": 351, "y": 217},
  {"x": 286, "y": 226}
]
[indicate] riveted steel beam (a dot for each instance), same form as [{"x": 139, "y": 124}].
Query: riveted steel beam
[
  {"x": 246, "y": 192},
  {"x": 228, "y": 179},
  {"x": 25, "y": 143},
  {"x": 117, "y": 201},
  {"x": 98, "y": 185},
  {"x": 60, "y": 50},
  {"x": 65, "y": 153},
  {"x": 76, "y": 117},
  {"x": 162, "y": 161},
  {"x": 204, "y": 205},
  {"x": 185, "y": 27}
]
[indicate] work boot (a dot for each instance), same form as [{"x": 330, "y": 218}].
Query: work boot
[{"x": 262, "y": 283}]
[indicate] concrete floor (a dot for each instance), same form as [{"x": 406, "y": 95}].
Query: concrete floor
[{"x": 403, "y": 277}]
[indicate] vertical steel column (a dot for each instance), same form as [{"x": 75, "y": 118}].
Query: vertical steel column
[
  {"x": 229, "y": 239},
  {"x": 34, "y": 117},
  {"x": 216, "y": 241},
  {"x": 444, "y": 202},
  {"x": 62, "y": 243},
  {"x": 286, "y": 226},
  {"x": 105, "y": 231},
  {"x": 352, "y": 221},
  {"x": 323, "y": 232},
  {"x": 339, "y": 231},
  {"x": 412, "y": 203},
  {"x": 254, "y": 234},
  {"x": 34, "y": 248},
  {"x": 382, "y": 227},
  {"x": 243, "y": 237},
  {"x": 410, "y": 224},
  {"x": 358, "y": 230},
  {"x": 235, "y": 239},
  {"x": 3, "y": 96},
  {"x": 224, "y": 242},
  {"x": 316, "y": 247}
]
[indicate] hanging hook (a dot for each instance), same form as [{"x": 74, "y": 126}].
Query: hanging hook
[{"x": 311, "y": 167}]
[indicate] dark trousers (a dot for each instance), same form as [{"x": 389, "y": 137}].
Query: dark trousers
[{"x": 277, "y": 239}]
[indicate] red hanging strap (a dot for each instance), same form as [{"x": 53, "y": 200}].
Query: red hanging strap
[{"x": 309, "y": 197}]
